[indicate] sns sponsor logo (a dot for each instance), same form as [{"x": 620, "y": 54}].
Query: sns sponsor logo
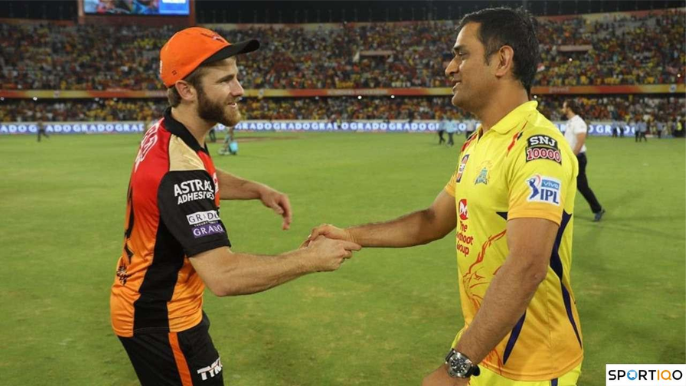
[
  {"x": 544, "y": 189},
  {"x": 645, "y": 375},
  {"x": 462, "y": 208},
  {"x": 202, "y": 217},
  {"x": 460, "y": 169},
  {"x": 193, "y": 190},
  {"x": 207, "y": 230}
]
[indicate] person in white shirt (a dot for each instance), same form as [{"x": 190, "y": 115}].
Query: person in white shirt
[
  {"x": 442, "y": 127},
  {"x": 575, "y": 134}
]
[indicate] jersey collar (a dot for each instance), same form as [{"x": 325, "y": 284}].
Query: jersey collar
[
  {"x": 178, "y": 129},
  {"x": 513, "y": 119}
]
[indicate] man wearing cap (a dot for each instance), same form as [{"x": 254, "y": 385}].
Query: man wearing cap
[{"x": 175, "y": 242}]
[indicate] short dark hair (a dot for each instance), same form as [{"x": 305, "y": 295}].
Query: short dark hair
[
  {"x": 512, "y": 27},
  {"x": 571, "y": 104},
  {"x": 194, "y": 78}
]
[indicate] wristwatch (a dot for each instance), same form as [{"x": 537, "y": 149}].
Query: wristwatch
[{"x": 459, "y": 366}]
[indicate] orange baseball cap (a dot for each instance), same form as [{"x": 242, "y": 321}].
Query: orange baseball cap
[{"x": 192, "y": 47}]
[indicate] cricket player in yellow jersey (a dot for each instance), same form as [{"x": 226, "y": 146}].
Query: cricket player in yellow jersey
[{"x": 510, "y": 202}]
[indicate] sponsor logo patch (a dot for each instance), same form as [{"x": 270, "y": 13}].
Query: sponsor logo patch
[
  {"x": 542, "y": 147},
  {"x": 462, "y": 209},
  {"x": 193, "y": 190},
  {"x": 207, "y": 230},
  {"x": 460, "y": 169},
  {"x": 202, "y": 217},
  {"x": 544, "y": 189},
  {"x": 211, "y": 370}
]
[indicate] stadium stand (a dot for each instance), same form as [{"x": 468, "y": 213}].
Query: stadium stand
[
  {"x": 638, "y": 50},
  {"x": 607, "y": 50},
  {"x": 599, "y": 108}
]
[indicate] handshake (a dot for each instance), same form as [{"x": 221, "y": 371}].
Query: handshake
[{"x": 327, "y": 247}]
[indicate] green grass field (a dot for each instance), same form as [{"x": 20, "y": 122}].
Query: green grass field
[{"x": 387, "y": 317}]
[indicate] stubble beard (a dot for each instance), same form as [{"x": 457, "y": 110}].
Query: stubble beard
[{"x": 211, "y": 111}]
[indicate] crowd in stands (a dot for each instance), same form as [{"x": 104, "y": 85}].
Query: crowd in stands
[
  {"x": 623, "y": 50},
  {"x": 625, "y": 108},
  {"x": 82, "y": 57},
  {"x": 603, "y": 108},
  {"x": 82, "y": 110}
]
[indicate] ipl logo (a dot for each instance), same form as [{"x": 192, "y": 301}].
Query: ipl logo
[{"x": 544, "y": 189}]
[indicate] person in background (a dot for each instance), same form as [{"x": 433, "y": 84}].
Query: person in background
[
  {"x": 575, "y": 134},
  {"x": 442, "y": 127},
  {"x": 41, "y": 128},
  {"x": 641, "y": 130},
  {"x": 230, "y": 144},
  {"x": 452, "y": 128}
]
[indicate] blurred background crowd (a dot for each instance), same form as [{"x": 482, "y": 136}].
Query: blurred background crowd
[
  {"x": 617, "y": 49},
  {"x": 604, "y": 49}
]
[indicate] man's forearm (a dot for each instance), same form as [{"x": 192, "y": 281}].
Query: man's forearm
[
  {"x": 406, "y": 231},
  {"x": 503, "y": 305},
  {"x": 229, "y": 274},
  {"x": 254, "y": 273},
  {"x": 236, "y": 188}
]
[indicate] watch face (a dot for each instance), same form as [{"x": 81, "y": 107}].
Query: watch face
[{"x": 459, "y": 366}]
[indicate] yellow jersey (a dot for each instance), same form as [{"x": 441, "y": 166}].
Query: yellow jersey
[{"x": 521, "y": 168}]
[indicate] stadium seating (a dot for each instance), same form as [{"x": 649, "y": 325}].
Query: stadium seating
[
  {"x": 603, "y": 108},
  {"x": 625, "y": 50}
]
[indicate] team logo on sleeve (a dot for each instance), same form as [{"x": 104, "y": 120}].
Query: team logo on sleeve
[
  {"x": 460, "y": 169},
  {"x": 542, "y": 147},
  {"x": 544, "y": 189}
]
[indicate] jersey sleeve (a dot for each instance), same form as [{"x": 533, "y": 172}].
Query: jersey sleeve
[
  {"x": 538, "y": 178},
  {"x": 450, "y": 186},
  {"x": 187, "y": 208}
]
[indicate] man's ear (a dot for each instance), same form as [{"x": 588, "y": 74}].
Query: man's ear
[
  {"x": 505, "y": 57},
  {"x": 185, "y": 90}
]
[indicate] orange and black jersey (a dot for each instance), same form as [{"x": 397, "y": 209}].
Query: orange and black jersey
[{"x": 172, "y": 212}]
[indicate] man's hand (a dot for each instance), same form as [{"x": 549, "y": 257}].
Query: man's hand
[
  {"x": 440, "y": 377},
  {"x": 329, "y": 231},
  {"x": 279, "y": 203},
  {"x": 328, "y": 254}
]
